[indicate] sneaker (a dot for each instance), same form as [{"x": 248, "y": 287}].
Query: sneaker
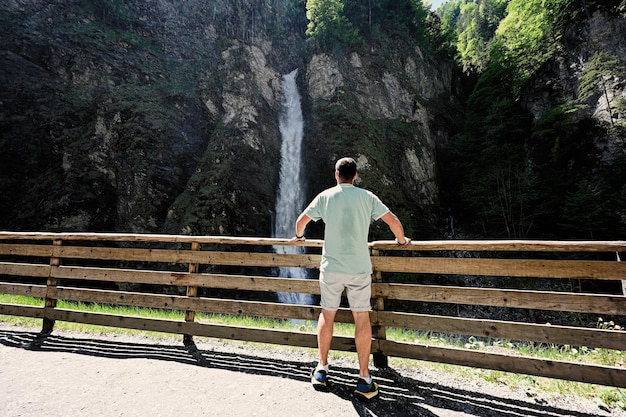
[
  {"x": 365, "y": 391},
  {"x": 319, "y": 379}
]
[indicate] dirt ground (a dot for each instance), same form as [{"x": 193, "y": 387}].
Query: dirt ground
[{"x": 75, "y": 374}]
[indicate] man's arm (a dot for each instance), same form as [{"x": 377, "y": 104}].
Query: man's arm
[
  {"x": 396, "y": 228},
  {"x": 301, "y": 223}
]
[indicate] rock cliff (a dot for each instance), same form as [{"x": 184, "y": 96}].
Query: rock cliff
[
  {"x": 163, "y": 116},
  {"x": 560, "y": 78}
]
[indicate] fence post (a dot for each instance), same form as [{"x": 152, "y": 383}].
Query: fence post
[
  {"x": 190, "y": 315},
  {"x": 51, "y": 283},
  {"x": 379, "y": 332},
  {"x": 623, "y": 281},
  {"x": 49, "y": 302}
]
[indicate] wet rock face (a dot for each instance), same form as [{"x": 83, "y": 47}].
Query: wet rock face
[{"x": 152, "y": 117}]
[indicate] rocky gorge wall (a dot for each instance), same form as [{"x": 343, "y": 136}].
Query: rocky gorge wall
[
  {"x": 560, "y": 79},
  {"x": 163, "y": 116}
]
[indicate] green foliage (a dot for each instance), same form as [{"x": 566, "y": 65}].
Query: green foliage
[
  {"x": 528, "y": 35},
  {"x": 442, "y": 41},
  {"x": 470, "y": 26},
  {"x": 557, "y": 121},
  {"x": 404, "y": 18},
  {"x": 334, "y": 23},
  {"x": 518, "y": 177},
  {"x": 588, "y": 210},
  {"x": 496, "y": 187},
  {"x": 365, "y": 16},
  {"x": 289, "y": 22},
  {"x": 597, "y": 74},
  {"x": 525, "y": 32},
  {"x": 612, "y": 396},
  {"x": 599, "y": 66},
  {"x": 580, "y": 189},
  {"x": 327, "y": 23}
]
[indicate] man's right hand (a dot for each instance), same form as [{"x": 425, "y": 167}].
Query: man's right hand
[{"x": 403, "y": 242}]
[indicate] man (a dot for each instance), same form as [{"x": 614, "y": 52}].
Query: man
[{"x": 347, "y": 212}]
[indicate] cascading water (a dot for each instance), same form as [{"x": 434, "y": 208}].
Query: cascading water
[{"x": 290, "y": 199}]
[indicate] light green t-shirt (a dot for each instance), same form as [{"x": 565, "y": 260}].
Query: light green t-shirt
[{"x": 347, "y": 212}]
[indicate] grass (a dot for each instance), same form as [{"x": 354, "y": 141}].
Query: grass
[{"x": 605, "y": 397}]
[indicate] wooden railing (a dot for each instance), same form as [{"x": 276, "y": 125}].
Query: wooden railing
[{"x": 414, "y": 287}]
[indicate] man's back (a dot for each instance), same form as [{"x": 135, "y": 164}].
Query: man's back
[{"x": 347, "y": 212}]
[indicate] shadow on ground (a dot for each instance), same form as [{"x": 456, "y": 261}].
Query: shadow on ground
[{"x": 400, "y": 396}]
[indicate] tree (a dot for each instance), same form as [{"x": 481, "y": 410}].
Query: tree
[
  {"x": 288, "y": 17},
  {"x": 587, "y": 211},
  {"x": 528, "y": 33},
  {"x": 363, "y": 14},
  {"x": 327, "y": 23},
  {"x": 405, "y": 17},
  {"x": 598, "y": 71},
  {"x": 496, "y": 186},
  {"x": 472, "y": 24}
]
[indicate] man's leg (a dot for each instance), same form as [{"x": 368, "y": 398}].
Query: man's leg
[
  {"x": 363, "y": 339},
  {"x": 325, "y": 334}
]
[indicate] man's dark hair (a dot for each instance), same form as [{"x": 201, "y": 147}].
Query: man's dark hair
[{"x": 346, "y": 167}]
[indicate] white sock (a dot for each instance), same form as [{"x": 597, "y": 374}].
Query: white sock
[
  {"x": 368, "y": 380},
  {"x": 321, "y": 367}
]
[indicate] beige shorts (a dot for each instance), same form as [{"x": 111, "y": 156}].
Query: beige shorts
[{"x": 358, "y": 289}]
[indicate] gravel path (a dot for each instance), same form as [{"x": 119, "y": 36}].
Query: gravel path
[{"x": 75, "y": 374}]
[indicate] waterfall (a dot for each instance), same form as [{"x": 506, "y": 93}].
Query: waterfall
[{"x": 290, "y": 200}]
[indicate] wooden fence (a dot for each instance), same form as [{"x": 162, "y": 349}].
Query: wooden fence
[{"x": 415, "y": 287}]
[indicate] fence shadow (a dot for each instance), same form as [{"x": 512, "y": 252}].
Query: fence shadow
[{"x": 400, "y": 395}]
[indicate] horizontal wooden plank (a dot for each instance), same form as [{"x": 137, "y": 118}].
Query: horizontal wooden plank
[
  {"x": 153, "y": 238},
  {"x": 164, "y": 255},
  {"x": 272, "y": 336},
  {"x": 551, "y": 334},
  {"x": 22, "y": 310},
  {"x": 37, "y": 291},
  {"x": 23, "y": 249},
  {"x": 601, "y": 270},
  {"x": 538, "y": 300},
  {"x": 429, "y": 245},
  {"x": 506, "y": 245},
  {"x": 592, "y": 374},
  {"x": 234, "y": 282},
  {"x": 24, "y": 269},
  {"x": 184, "y": 303},
  {"x": 256, "y": 283},
  {"x": 186, "y": 257}
]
